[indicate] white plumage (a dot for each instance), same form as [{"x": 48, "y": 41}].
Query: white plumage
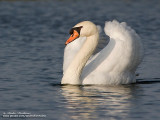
[{"x": 114, "y": 64}]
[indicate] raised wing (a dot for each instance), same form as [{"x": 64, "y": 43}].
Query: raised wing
[{"x": 122, "y": 55}]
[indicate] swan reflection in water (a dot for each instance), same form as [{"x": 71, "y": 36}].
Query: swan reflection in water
[{"x": 90, "y": 102}]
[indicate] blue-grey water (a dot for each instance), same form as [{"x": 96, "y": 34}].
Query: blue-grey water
[{"x": 32, "y": 37}]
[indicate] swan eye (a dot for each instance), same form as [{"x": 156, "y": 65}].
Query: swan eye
[{"x": 78, "y": 29}]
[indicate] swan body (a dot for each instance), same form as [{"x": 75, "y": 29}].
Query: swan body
[{"x": 115, "y": 64}]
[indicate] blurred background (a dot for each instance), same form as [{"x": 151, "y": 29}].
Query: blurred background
[{"x": 32, "y": 37}]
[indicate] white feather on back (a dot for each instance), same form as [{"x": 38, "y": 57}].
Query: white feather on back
[{"x": 117, "y": 62}]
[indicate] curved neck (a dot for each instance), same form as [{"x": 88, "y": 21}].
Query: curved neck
[{"x": 74, "y": 70}]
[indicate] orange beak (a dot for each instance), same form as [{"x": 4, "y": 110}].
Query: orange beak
[{"x": 72, "y": 37}]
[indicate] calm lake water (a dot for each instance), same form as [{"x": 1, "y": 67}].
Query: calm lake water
[{"x": 32, "y": 37}]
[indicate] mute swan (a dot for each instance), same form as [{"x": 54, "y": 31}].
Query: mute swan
[{"x": 115, "y": 64}]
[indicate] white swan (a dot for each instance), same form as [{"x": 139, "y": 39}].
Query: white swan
[{"x": 115, "y": 64}]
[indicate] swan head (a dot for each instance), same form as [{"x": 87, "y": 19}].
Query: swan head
[{"x": 82, "y": 29}]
